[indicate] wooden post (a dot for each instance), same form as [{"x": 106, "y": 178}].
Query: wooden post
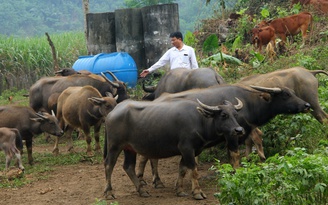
[
  {"x": 85, "y": 4},
  {"x": 53, "y": 50}
]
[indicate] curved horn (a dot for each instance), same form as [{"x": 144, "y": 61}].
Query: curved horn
[
  {"x": 112, "y": 74},
  {"x": 108, "y": 94},
  {"x": 265, "y": 89},
  {"x": 207, "y": 107},
  {"x": 41, "y": 115},
  {"x": 116, "y": 85},
  {"x": 148, "y": 89},
  {"x": 97, "y": 99},
  {"x": 239, "y": 105}
]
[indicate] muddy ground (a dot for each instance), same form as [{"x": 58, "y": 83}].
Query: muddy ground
[{"x": 84, "y": 183}]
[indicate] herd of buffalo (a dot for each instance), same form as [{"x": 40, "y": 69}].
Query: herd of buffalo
[{"x": 187, "y": 112}]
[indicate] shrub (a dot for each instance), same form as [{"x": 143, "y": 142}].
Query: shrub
[{"x": 296, "y": 178}]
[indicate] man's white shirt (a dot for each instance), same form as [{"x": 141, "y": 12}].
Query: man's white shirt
[{"x": 184, "y": 58}]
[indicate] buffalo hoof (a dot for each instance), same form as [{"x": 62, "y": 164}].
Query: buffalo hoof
[
  {"x": 31, "y": 162},
  {"x": 98, "y": 151},
  {"x": 182, "y": 194},
  {"x": 144, "y": 194},
  {"x": 90, "y": 154},
  {"x": 142, "y": 182},
  {"x": 199, "y": 196},
  {"x": 55, "y": 152},
  {"x": 109, "y": 196},
  {"x": 71, "y": 150},
  {"x": 158, "y": 184}
]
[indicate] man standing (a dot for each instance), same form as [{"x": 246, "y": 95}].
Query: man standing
[{"x": 179, "y": 56}]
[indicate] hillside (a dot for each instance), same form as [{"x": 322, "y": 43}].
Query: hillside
[{"x": 35, "y": 17}]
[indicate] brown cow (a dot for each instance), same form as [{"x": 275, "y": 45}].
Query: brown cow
[
  {"x": 263, "y": 36},
  {"x": 290, "y": 25},
  {"x": 319, "y": 5}
]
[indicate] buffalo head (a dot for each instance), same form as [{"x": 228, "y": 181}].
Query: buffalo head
[{"x": 48, "y": 123}]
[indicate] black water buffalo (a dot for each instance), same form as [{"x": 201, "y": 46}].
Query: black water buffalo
[
  {"x": 9, "y": 137},
  {"x": 43, "y": 95},
  {"x": 83, "y": 107},
  {"x": 29, "y": 123},
  {"x": 165, "y": 129},
  {"x": 260, "y": 106},
  {"x": 40, "y": 92},
  {"x": 182, "y": 79},
  {"x": 299, "y": 79}
]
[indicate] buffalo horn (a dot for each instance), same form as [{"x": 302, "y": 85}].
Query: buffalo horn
[
  {"x": 116, "y": 85},
  {"x": 41, "y": 115},
  {"x": 97, "y": 99},
  {"x": 239, "y": 105},
  {"x": 207, "y": 107},
  {"x": 148, "y": 89},
  {"x": 265, "y": 89},
  {"x": 108, "y": 94},
  {"x": 112, "y": 74}
]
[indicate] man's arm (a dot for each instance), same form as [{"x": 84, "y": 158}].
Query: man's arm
[
  {"x": 160, "y": 63},
  {"x": 193, "y": 59}
]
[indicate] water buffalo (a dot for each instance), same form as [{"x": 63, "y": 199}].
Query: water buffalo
[
  {"x": 40, "y": 92},
  {"x": 29, "y": 123},
  {"x": 301, "y": 80},
  {"x": 9, "y": 137},
  {"x": 43, "y": 95},
  {"x": 66, "y": 72},
  {"x": 165, "y": 129},
  {"x": 83, "y": 107},
  {"x": 261, "y": 104},
  {"x": 182, "y": 79}
]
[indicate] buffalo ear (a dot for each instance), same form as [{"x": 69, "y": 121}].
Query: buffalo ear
[
  {"x": 96, "y": 101},
  {"x": 266, "y": 97},
  {"x": 206, "y": 113}
]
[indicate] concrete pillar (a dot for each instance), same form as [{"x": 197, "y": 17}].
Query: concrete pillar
[
  {"x": 158, "y": 22},
  {"x": 101, "y": 33},
  {"x": 129, "y": 35}
]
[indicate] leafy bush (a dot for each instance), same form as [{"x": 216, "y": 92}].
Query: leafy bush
[{"x": 296, "y": 178}]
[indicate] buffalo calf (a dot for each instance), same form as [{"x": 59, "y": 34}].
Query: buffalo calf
[{"x": 9, "y": 137}]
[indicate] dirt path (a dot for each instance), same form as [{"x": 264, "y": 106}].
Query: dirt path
[{"x": 84, "y": 183}]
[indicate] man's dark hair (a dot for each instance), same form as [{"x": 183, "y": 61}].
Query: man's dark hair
[{"x": 176, "y": 34}]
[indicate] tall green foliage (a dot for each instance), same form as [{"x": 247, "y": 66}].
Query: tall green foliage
[
  {"x": 296, "y": 178},
  {"x": 20, "y": 55}
]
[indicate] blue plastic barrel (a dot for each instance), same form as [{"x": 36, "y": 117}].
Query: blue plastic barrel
[{"x": 119, "y": 63}]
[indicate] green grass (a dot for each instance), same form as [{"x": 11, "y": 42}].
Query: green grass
[{"x": 19, "y": 55}]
